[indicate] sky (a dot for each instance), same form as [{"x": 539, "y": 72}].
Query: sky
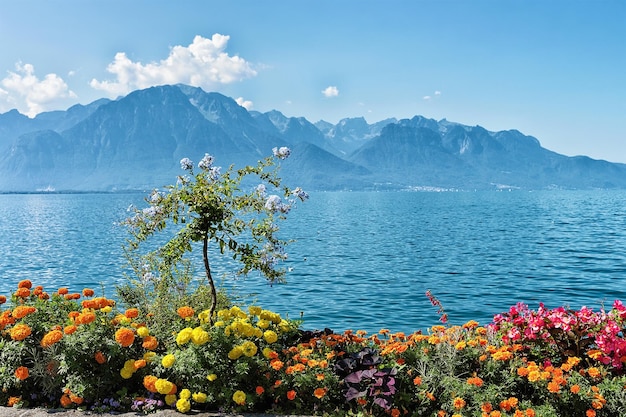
[{"x": 555, "y": 70}]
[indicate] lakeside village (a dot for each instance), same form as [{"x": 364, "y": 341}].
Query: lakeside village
[{"x": 171, "y": 342}]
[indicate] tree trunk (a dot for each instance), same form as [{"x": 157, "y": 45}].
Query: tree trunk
[{"x": 207, "y": 268}]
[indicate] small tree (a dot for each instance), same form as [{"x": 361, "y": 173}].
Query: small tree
[{"x": 210, "y": 206}]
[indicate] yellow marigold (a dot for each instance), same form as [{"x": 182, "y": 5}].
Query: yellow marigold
[
  {"x": 199, "y": 336},
  {"x": 270, "y": 336},
  {"x": 239, "y": 397},
  {"x": 254, "y": 310},
  {"x": 185, "y": 394},
  {"x": 126, "y": 373},
  {"x": 263, "y": 324},
  {"x": 199, "y": 397},
  {"x": 211, "y": 377},
  {"x": 125, "y": 336},
  {"x": 249, "y": 348},
  {"x": 185, "y": 312},
  {"x": 235, "y": 353},
  {"x": 183, "y": 405},
  {"x": 593, "y": 372},
  {"x": 143, "y": 332},
  {"x": 51, "y": 338},
  {"x": 21, "y": 373},
  {"x": 22, "y": 311},
  {"x": 502, "y": 355},
  {"x": 20, "y": 332},
  {"x": 184, "y": 336},
  {"x": 170, "y": 399},
  {"x": 460, "y": 345},
  {"x": 168, "y": 360},
  {"x": 163, "y": 386}
]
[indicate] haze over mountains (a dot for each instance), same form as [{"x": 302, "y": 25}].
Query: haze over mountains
[{"x": 137, "y": 142}]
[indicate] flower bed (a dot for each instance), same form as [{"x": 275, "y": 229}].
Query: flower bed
[{"x": 79, "y": 351}]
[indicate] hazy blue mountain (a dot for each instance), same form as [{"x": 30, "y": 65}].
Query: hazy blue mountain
[
  {"x": 351, "y": 133},
  {"x": 136, "y": 143},
  {"x": 421, "y": 152}
]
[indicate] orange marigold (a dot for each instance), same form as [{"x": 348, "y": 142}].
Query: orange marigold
[
  {"x": 131, "y": 313},
  {"x": 88, "y": 292},
  {"x": 13, "y": 401},
  {"x": 530, "y": 412},
  {"x": 291, "y": 394},
  {"x": 148, "y": 383},
  {"x": 590, "y": 413},
  {"x": 85, "y": 318},
  {"x": 20, "y": 332},
  {"x": 3, "y": 299},
  {"x": 185, "y": 312},
  {"x": 458, "y": 403},
  {"x": 25, "y": 283},
  {"x": 100, "y": 358},
  {"x": 21, "y": 373},
  {"x": 62, "y": 291},
  {"x": 22, "y": 311},
  {"x": 150, "y": 343},
  {"x": 320, "y": 392},
  {"x": 70, "y": 329},
  {"x": 22, "y": 292},
  {"x": 65, "y": 401},
  {"x": 51, "y": 338},
  {"x": 593, "y": 372},
  {"x": 575, "y": 389},
  {"x": 259, "y": 390},
  {"x": 417, "y": 380},
  {"x": 125, "y": 336}
]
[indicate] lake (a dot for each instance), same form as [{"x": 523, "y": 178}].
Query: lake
[{"x": 362, "y": 260}]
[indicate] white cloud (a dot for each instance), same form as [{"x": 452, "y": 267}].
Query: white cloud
[
  {"x": 246, "y": 104},
  {"x": 201, "y": 64},
  {"x": 330, "y": 91},
  {"x": 28, "y": 94},
  {"x": 436, "y": 94}
]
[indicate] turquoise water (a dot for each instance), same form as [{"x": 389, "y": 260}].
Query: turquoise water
[{"x": 363, "y": 260}]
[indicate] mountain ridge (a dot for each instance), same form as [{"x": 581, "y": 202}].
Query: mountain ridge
[{"x": 137, "y": 141}]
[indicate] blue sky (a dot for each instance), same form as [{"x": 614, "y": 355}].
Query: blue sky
[{"x": 552, "y": 69}]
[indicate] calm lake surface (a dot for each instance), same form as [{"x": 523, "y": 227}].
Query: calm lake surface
[{"x": 362, "y": 260}]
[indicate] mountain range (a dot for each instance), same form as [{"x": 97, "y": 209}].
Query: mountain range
[{"x": 137, "y": 141}]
